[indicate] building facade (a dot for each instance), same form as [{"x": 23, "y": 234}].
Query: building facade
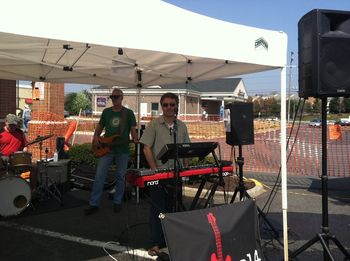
[{"x": 210, "y": 96}]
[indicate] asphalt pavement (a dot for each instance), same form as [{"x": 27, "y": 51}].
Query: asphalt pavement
[{"x": 48, "y": 231}]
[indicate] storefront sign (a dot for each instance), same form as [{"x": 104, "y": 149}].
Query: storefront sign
[{"x": 101, "y": 101}]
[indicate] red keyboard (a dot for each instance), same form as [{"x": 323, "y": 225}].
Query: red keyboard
[{"x": 136, "y": 178}]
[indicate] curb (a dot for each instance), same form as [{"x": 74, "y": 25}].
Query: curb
[{"x": 254, "y": 192}]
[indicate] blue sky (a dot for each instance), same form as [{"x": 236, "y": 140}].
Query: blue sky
[{"x": 277, "y": 15}]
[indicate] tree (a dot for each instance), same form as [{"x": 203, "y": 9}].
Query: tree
[
  {"x": 308, "y": 107},
  {"x": 257, "y": 107},
  {"x": 271, "y": 107},
  {"x": 89, "y": 96},
  {"x": 76, "y": 101},
  {"x": 316, "y": 106},
  {"x": 346, "y": 105},
  {"x": 68, "y": 101},
  {"x": 293, "y": 108},
  {"x": 335, "y": 105}
]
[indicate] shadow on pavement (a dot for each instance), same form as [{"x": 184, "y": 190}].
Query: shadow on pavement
[
  {"x": 338, "y": 188},
  {"x": 53, "y": 232}
]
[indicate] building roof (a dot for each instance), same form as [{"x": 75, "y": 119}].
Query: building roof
[
  {"x": 217, "y": 85},
  {"x": 225, "y": 88}
]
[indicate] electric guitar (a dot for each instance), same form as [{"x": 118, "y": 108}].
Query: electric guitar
[
  {"x": 216, "y": 256},
  {"x": 105, "y": 145}
]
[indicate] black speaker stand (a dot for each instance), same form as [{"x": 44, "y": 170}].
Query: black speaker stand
[
  {"x": 243, "y": 194},
  {"x": 325, "y": 235}
]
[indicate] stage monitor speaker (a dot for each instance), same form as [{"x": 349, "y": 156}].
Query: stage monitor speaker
[
  {"x": 324, "y": 54},
  {"x": 227, "y": 232},
  {"x": 57, "y": 172},
  {"x": 239, "y": 125}
]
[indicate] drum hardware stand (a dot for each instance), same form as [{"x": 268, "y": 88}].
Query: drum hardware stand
[
  {"x": 41, "y": 149},
  {"x": 46, "y": 190},
  {"x": 46, "y": 152},
  {"x": 325, "y": 235},
  {"x": 7, "y": 162},
  {"x": 39, "y": 139},
  {"x": 243, "y": 194}
]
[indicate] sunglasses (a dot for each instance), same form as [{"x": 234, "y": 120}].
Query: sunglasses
[
  {"x": 115, "y": 96},
  {"x": 168, "y": 104}
]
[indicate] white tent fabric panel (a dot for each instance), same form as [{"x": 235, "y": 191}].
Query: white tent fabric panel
[
  {"x": 42, "y": 59},
  {"x": 77, "y": 41},
  {"x": 147, "y": 24}
]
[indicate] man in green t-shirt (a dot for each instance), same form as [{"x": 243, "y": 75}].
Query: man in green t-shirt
[{"x": 117, "y": 122}]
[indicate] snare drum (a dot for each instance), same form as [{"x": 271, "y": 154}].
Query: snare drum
[
  {"x": 15, "y": 195},
  {"x": 20, "y": 162},
  {"x": 20, "y": 158}
]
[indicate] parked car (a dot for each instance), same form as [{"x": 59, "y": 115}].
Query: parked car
[
  {"x": 331, "y": 122},
  {"x": 344, "y": 122},
  {"x": 87, "y": 112},
  {"x": 315, "y": 123},
  {"x": 66, "y": 113}
]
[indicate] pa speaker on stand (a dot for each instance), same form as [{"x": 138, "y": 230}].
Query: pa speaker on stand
[
  {"x": 324, "y": 66},
  {"x": 239, "y": 125},
  {"x": 324, "y": 54}
]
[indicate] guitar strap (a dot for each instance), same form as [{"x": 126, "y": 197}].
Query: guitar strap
[{"x": 123, "y": 117}]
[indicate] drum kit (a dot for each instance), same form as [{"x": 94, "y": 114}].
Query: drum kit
[{"x": 15, "y": 191}]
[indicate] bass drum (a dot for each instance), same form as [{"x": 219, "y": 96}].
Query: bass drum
[{"x": 15, "y": 195}]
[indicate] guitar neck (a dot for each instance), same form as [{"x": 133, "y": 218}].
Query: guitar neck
[{"x": 212, "y": 222}]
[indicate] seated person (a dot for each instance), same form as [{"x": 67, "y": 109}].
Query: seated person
[{"x": 13, "y": 139}]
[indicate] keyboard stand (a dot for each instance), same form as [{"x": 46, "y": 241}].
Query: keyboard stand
[{"x": 219, "y": 181}]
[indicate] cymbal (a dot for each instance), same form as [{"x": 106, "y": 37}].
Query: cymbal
[{"x": 39, "y": 138}]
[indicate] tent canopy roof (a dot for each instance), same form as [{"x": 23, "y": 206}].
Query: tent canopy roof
[{"x": 128, "y": 43}]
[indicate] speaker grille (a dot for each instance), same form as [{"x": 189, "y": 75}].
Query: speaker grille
[
  {"x": 241, "y": 126},
  {"x": 324, "y": 54},
  {"x": 335, "y": 66}
]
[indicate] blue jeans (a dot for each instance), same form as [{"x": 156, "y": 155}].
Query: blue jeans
[
  {"x": 104, "y": 163},
  {"x": 25, "y": 125},
  {"x": 162, "y": 200}
]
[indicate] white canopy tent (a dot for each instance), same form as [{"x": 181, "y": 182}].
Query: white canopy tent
[
  {"x": 77, "y": 42},
  {"x": 134, "y": 43}
]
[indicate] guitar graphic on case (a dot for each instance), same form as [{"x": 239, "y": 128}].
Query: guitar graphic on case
[{"x": 216, "y": 256}]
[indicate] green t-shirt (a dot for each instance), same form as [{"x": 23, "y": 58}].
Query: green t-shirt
[{"x": 111, "y": 121}]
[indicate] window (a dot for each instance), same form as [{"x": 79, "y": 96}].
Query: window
[{"x": 154, "y": 106}]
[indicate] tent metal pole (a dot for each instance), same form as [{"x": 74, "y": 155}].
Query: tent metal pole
[
  {"x": 284, "y": 161},
  {"x": 138, "y": 127}
]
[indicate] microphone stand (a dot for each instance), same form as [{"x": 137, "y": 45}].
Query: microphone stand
[{"x": 178, "y": 184}]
